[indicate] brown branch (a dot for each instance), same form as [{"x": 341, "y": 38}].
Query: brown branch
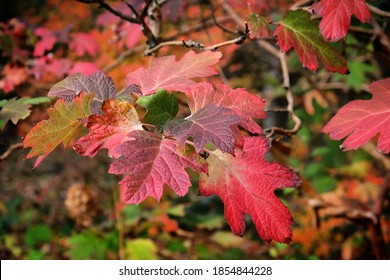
[
  {"x": 198, "y": 45},
  {"x": 270, "y": 132},
  {"x": 371, "y": 150},
  {"x": 138, "y": 19},
  {"x": 10, "y": 149},
  {"x": 378, "y": 11}
]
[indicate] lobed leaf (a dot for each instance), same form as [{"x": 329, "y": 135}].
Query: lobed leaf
[
  {"x": 14, "y": 110},
  {"x": 297, "y": 31},
  {"x": 150, "y": 161},
  {"x": 244, "y": 104},
  {"x": 110, "y": 129},
  {"x": 360, "y": 120},
  {"x": 246, "y": 184},
  {"x": 161, "y": 108},
  {"x": 336, "y": 16},
  {"x": 97, "y": 83},
  {"x": 169, "y": 74},
  {"x": 209, "y": 124},
  {"x": 61, "y": 127}
]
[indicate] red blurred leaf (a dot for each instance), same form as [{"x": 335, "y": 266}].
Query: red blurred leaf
[
  {"x": 13, "y": 76},
  {"x": 149, "y": 162},
  {"x": 360, "y": 120},
  {"x": 246, "y": 184},
  {"x": 83, "y": 43},
  {"x": 336, "y": 16},
  {"x": 109, "y": 130},
  {"x": 166, "y": 73},
  {"x": 46, "y": 43},
  {"x": 86, "y": 68},
  {"x": 297, "y": 31}
]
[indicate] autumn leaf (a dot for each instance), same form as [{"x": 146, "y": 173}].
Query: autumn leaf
[
  {"x": 169, "y": 74},
  {"x": 161, "y": 108},
  {"x": 84, "y": 43},
  {"x": 14, "y": 110},
  {"x": 360, "y": 120},
  {"x": 97, "y": 83},
  {"x": 110, "y": 129},
  {"x": 150, "y": 161},
  {"x": 211, "y": 124},
  {"x": 246, "y": 184},
  {"x": 297, "y": 31},
  {"x": 336, "y": 16},
  {"x": 244, "y": 104},
  {"x": 259, "y": 26},
  {"x": 46, "y": 43},
  {"x": 61, "y": 127}
]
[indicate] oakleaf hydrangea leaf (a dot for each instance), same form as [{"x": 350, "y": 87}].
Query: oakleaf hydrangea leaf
[
  {"x": 161, "y": 108},
  {"x": 361, "y": 120},
  {"x": 110, "y": 129},
  {"x": 61, "y": 127},
  {"x": 297, "y": 31},
  {"x": 150, "y": 161},
  {"x": 246, "y": 184}
]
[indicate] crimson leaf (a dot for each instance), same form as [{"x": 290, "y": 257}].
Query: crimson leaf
[
  {"x": 149, "y": 162},
  {"x": 336, "y": 16},
  {"x": 166, "y": 73},
  {"x": 360, "y": 120},
  {"x": 246, "y": 184}
]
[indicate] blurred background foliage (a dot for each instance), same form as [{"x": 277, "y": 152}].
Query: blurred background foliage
[{"x": 68, "y": 208}]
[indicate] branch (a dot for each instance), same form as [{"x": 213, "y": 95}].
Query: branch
[
  {"x": 270, "y": 132},
  {"x": 378, "y": 11},
  {"x": 198, "y": 45},
  {"x": 10, "y": 149}
]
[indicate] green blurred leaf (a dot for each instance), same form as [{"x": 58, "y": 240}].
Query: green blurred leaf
[
  {"x": 14, "y": 110},
  {"x": 35, "y": 255},
  {"x": 87, "y": 245},
  {"x": 324, "y": 184},
  {"x": 161, "y": 108},
  {"x": 37, "y": 100},
  {"x": 141, "y": 249},
  {"x": 37, "y": 234}
]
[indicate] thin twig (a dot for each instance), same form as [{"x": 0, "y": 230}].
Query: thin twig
[
  {"x": 197, "y": 45},
  {"x": 371, "y": 149},
  {"x": 270, "y": 132},
  {"x": 10, "y": 149},
  {"x": 378, "y": 11}
]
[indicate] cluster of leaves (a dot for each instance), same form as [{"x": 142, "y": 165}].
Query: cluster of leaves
[
  {"x": 235, "y": 168},
  {"x": 152, "y": 148}
]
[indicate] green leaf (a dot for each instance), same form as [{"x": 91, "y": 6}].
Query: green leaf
[
  {"x": 37, "y": 234},
  {"x": 141, "y": 249},
  {"x": 37, "y": 100},
  {"x": 14, "y": 110},
  {"x": 87, "y": 245},
  {"x": 297, "y": 31},
  {"x": 161, "y": 108}
]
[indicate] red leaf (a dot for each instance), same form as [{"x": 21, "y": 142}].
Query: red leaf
[
  {"x": 246, "y": 184},
  {"x": 46, "y": 43},
  {"x": 150, "y": 162},
  {"x": 131, "y": 34},
  {"x": 109, "y": 130},
  {"x": 239, "y": 100},
  {"x": 84, "y": 43},
  {"x": 86, "y": 68},
  {"x": 210, "y": 124},
  {"x": 298, "y": 32},
  {"x": 336, "y": 16},
  {"x": 166, "y": 73},
  {"x": 13, "y": 76},
  {"x": 360, "y": 120}
]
